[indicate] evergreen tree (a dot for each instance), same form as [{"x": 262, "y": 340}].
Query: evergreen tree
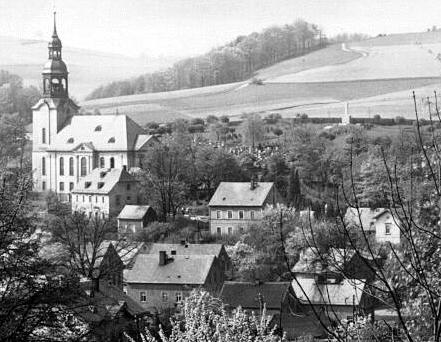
[{"x": 294, "y": 195}]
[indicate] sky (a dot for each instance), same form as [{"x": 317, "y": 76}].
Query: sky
[{"x": 190, "y": 27}]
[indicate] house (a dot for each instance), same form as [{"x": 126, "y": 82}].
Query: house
[
  {"x": 379, "y": 223},
  {"x": 104, "y": 192},
  {"x": 133, "y": 218},
  {"x": 334, "y": 296},
  {"x": 186, "y": 248},
  {"x": 67, "y": 146},
  {"x": 160, "y": 281},
  {"x": 237, "y": 205}
]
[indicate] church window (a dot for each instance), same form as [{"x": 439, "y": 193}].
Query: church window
[
  {"x": 43, "y": 166},
  {"x": 102, "y": 162},
  {"x": 61, "y": 186},
  {"x": 43, "y": 135},
  {"x": 83, "y": 166},
  {"x": 98, "y": 128},
  {"x": 112, "y": 163},
  {"x": 61, "y": 166},
  {"x": 71, "y": 166},
  {"x": 70, "y": 140},
  {"x": 111, "y": 140}
]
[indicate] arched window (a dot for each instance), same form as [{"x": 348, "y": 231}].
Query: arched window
[
  {"x": 83, "y": 167},
  {"x": 43, "y": 166},
  {"x": 61, "y": 166},
  {"x": 71, "y": 166},
  {"x": 102, "y": 162},
  {"x": 112, "y": 163},
  {"x": 43, "y": 135}
]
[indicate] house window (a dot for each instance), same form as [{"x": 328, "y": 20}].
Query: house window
[
  {"x": 83, "y": 166},
  {"x": 230, "y": 230},
  {"x": 71, "y": 186},
  {"x": 90, "y": 199},
  {"x": 219, "y": 230},
  {"x": 241, "y": 214},
  {"x": 83, "y": 198},
  {"x": 43, "y": 135},
  {"x": 118, "y": 200},
  {"x": 61, "y": 186},
  {"x": 96, "y": 199},
  {"x": 164, "y": 296},
  {"x": 102, "y": 162},
  {"x": 128, "y": 187},
  {"x": 218, "y": 214},
  {"x": 388, "y": 227},
  {"x": 76, "y": 198},
  {"x": 43, "y": 185},
  {"x": 252, "y": 214},
  {"x": 230, "y": 214},
  {"x": 142, "y": 297},
  {"x": 241, "y": 230},
  {"x": 112, "y": 163},
  {"x": 61, "y": 166},
  {"x": 43, "y": 166},
  {"x": 178, "y": 297},
  {"x": 71, "y": 166},
  {"x": 102, "y": 199},
  {"x": 128, "y": 198}
]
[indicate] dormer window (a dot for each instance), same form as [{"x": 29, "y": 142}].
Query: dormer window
[
  {"x": 70, "y": 140},
  {"x": 111, "y": 140},
  {"x": 100, "y": 185},
  {"x": 87, "y": 185},
  {"x": 98, "y": 128}
]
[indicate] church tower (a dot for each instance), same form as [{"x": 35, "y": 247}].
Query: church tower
[
  {"x": 55, "y": 81},
  {"x": 50, "y": 115}
]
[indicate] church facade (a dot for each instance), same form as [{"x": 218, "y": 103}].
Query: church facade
[{"x": 67, "y": 145}]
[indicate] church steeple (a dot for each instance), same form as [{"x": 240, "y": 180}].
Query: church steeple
[{"x": 55, "y": 81}]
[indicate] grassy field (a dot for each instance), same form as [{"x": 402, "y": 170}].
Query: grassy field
[
  {"x": 377, "y": 82},
  {"x": 379, "y": 62}
]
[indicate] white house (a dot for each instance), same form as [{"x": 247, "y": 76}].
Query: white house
[{"x": 379, "y": 222}]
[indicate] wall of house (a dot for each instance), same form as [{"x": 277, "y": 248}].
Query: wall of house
[
  {"x": 91, "y": 205},
  {"x": 380, "y": 229},
  {"x": 154, "y": 294},
  {"x": 236, "y": 224},
  {"x": 123, "y": 193},
  {"x": 129, "y": 226}
]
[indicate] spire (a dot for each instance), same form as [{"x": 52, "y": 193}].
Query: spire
[{"x": 54, "y": 35}]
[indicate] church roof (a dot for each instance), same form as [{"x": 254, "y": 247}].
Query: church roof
[{"x": 104, "y": 132}]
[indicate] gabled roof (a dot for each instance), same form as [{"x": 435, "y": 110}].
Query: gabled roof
[
  {"x": 134, "y": 212},
  {"x": 185, "y": 249},
  {"x": 105, "y": 132},
  {"x": 102, "y": 181},
  {"x": 182, "y": 269},
  {"x": 143, "y": 139},
  {"x": 240, "y": 194},
  {"x": 345, "y": 292},
  {"x": 247, "y": 294},
  {"x": 367, "y": 216}
]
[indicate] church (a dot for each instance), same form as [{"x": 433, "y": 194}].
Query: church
[{"x": 67, "y": 145}]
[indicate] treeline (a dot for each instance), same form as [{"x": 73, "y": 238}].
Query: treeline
[
  {"x": 235, "y": 61},
  {"x": 15, "y": 98}
]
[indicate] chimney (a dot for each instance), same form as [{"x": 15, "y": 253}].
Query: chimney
[
  {"x": 253, "y": 183},
  {"x": 162, "y": 258}
]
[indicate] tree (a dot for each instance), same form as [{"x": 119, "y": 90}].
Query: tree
[
  {"x": 33, "y": 296},
  {"x": 253, "y": 130},
  {"x": 294, "y": 193}
]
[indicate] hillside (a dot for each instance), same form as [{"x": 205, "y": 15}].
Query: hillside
[
  {"x": 88, "y": 69},
  {"x": 375, "y": 78}
]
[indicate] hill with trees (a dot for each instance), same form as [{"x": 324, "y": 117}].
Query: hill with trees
[{"x": 232, "y": 62}]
